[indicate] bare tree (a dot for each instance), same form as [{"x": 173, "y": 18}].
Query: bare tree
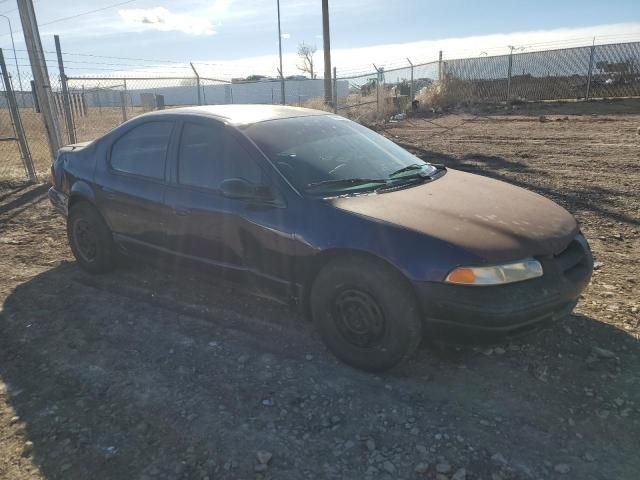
[{"x": 306, "y": 53}]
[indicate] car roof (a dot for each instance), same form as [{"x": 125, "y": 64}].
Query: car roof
[{"x": 241, "y": 114}]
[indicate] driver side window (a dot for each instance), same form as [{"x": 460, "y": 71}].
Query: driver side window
[{"x": 208, "y": 155}]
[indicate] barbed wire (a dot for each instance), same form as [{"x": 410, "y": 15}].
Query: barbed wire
[{"x": 79, "y": 61}]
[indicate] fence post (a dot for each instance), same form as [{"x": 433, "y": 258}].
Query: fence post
[
  {"x": 335, "y": 90},
  {"x": 377, "y": 91},
  {"x": 197, "y": 83},
  {"x": 84, "y": 102},
  {"x": 66, "y": 99},
  {"x": 123, "y": 106},
  {"x": 411, "y": 90},
  {"x": 590, "y": 75},
  {"x": 509, "y": 75},
  {"x": 34, "y": 95},
  {"x": 126, "y": 95},
  {"x": 17, "y": 123},
  {"x": 440, "y": 66}
]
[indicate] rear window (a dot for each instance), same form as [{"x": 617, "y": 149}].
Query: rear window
[{"x": 143, "y": 150}]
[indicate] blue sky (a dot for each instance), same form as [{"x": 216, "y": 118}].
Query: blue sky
[{"x": 240, "y": 36}]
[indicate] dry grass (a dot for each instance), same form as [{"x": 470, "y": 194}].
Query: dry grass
[
  {"x": 317, "y": 104},
  {"x": 443, "y": 94},
  {"x": 360, "y": 108}
]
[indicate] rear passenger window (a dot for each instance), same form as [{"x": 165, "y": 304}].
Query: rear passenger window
[
  {"x": 208, "y": 155},
  {"x": 143, "y": 150}
]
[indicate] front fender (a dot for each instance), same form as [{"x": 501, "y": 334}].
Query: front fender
[{"x": 418, "y": 256}]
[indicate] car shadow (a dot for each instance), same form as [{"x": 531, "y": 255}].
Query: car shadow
[{"x": 142, "y": 374}]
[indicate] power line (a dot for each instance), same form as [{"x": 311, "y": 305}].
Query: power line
[
  {"x": 133, "y": 59},
  {"x": 63, "y": 19},
  {"x": 54, "y": 62},
  {"x": 89, "y": 12}
]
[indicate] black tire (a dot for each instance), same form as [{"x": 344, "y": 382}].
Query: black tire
[
  {"x": 90, "y": 239},
  {"x": 366, "y": 313}
]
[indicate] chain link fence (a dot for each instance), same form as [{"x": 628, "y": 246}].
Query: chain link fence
[
  {"x": 11, "y": 165},
  {"x": 599, "y": 71},
  {"x": 98, "y": 104},
  {"x": 26, "y": 119}
]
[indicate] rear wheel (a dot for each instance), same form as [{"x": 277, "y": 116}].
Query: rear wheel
[
  {"x": 90, "y": 239},
  {"x": 366, "y": 313}
]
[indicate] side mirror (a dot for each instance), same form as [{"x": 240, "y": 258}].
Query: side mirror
[{"x": 240, "y": 189}]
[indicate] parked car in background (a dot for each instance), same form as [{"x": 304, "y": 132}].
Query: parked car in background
[{"x": 379, "y": 246}]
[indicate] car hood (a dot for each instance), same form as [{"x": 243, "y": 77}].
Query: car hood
[{"x": 494, "y": 220}]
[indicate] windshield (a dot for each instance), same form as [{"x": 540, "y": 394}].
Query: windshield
[{"x": 330, "y": 154}]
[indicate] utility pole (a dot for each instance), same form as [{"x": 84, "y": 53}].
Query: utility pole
[
  {"x": 280, "y": 53},
  {"x": 326, "y": 47},
  {"x": 40, "y": 74}
]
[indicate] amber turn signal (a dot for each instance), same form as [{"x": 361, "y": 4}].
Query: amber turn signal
[{"x": 462, "y": 275}]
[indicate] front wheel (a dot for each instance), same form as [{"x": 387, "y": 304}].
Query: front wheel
[
  {"x": 90, "y": 239},
  {"x": 365, "y": 313}
]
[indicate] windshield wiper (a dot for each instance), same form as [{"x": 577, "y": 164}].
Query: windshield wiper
[
  {"x": 418, "y": 166},
  {"x": 408, "y": 168},
  {"x": 346, "y": 182}
]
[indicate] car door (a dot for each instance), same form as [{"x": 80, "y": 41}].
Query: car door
[
  {"x": 130, "y": 191},
  {"x": 245, "y": 240}
]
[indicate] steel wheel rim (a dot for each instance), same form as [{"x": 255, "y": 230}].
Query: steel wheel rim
[
  {"x": 85, "y": 240},
  {"x": 358, "y": 318}
]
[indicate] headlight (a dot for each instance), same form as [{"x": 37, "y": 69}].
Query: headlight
[{"x": 496, "y": 275}]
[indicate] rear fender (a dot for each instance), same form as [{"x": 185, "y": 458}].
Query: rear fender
[{"x": 81, "y": 190}]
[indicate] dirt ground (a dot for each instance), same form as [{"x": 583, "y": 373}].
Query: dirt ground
[{"x": 149, "y": 374}]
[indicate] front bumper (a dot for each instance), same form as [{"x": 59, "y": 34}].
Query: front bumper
[
  {"x": 59, "y": 200},
  {"x": 494, "y": 312}
]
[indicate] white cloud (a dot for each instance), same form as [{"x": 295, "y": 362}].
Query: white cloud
[
  {"x": 286, "y": 36},
  {"x": 160, "y": 18}
]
